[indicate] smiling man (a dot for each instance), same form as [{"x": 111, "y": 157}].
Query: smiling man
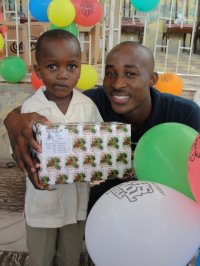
[{"x": 128, "y": 95}]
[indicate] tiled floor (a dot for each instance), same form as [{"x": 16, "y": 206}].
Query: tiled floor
[
  {"x": 181, "y": 67},
  {"x": 12, "y": 231}
]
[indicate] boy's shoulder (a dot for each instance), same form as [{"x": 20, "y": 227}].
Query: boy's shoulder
[
  {"x": 81, "y": 98},
  {"x": 34, "y": 101}
]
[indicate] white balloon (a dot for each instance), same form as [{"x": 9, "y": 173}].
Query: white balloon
[{"x": 141, "y": 223}]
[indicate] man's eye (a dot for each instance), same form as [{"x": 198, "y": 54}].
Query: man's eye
[
  {"x": 52, "y": 66},
  {"x": 130, "y": 74},
  {"x": 111, "y": 74},
  {"x": 72, "y": 66}
]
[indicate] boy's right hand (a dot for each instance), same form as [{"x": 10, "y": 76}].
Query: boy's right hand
[{"x": 19, "y": 128}]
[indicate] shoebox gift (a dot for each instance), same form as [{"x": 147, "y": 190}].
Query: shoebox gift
[{"x": 83, "y": 152}]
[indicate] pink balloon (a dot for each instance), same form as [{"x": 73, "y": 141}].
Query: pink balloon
[
  {"x": 194, "y": 168},
  {"x": 88, "y": 12}
]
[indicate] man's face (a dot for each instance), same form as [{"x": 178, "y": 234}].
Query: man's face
[
  {"x": 128, "y": 75},
  {"x": 59, "y": 67}
]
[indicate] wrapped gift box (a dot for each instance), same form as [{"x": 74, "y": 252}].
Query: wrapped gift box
[{"x": 83, "y": 152}]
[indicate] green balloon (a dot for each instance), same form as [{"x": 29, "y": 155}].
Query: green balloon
[
  {"x": 161, "y": 156},
  {"x": 71, "y": 28},
  {"x": 12, "y": 69}
]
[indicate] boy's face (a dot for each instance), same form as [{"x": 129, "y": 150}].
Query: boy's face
[
  {"x": 59, "y": 67},
  {"x": 128, "y": 75}
]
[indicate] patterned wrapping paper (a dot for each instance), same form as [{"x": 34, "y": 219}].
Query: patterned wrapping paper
[{"x": 83, "y": 152}]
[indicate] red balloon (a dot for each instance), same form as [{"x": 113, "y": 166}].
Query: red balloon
[
  {"x": 3, "y": 30},
  {"x": 36, "y": 82},
  {"x": 88, "y": 12},
  {"x": 194, "y": 168}
]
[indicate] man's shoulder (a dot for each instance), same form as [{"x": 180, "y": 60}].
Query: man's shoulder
[
  {"x": 95, "y": 93},
  {"x": 173, "y": 101},
  {"x": 172, "y": 108}
]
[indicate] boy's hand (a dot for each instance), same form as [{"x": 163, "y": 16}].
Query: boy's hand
[{"x": 19, "y": 127}]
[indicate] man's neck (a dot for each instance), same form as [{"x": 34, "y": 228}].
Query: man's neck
[{"x": 138, "y": 116}]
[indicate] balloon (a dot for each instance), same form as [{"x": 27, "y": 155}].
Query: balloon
[
  {"x": 12, "y": 69},
  {"x": 3, "y": 30},
  {"x": 1, "y": 42},
  {"x": 194, "y": 168},
  {"x": 145, "y": 5},
  {"x": 71, "y": 28},
  {"x": 38, "y": 9},
  {"x": 142, "y": 223},
  {"x": 169, "y": 83},
  {"x": 88, "y": 78},
  {"x": 161, "y": 155},
  {"x": 88, "y": 12},
  {"x": 36, "y": 82},
  {"x": 61, "y": 12}
]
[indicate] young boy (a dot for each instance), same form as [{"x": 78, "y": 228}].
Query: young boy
[{"x": 55, "y": 219}]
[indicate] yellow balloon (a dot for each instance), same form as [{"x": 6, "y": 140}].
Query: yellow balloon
[
  {"x": 1, "y": 42},
  {"x": 88, "y": 77},
  {"x": 61, "y": 12}
]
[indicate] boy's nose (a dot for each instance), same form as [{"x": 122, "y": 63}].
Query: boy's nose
[{"x": 62, "y": 74}]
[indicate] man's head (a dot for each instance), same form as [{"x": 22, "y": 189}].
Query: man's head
[
  {"x": 58, "y": 58},
  {"x": 128, "y": 76}
]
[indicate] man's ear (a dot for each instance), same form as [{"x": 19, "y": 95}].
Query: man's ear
[
  {"x": 37, "y": 71},
  {"x": 154, "y": 79}
]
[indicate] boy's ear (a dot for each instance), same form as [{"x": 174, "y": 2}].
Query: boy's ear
[
  {"x": 154, "y": 79},
  {"x": 37, "y": 71}
]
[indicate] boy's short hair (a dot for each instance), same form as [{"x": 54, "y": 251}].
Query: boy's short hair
[{"x": 52, "y": 35}]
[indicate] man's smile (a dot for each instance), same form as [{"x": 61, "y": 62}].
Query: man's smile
[{"x": 120, "y": 99}]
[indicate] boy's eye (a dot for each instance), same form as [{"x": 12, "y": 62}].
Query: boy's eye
[
  {"x": 52, "y": 66},
  {"x": 72, "y": 66}
]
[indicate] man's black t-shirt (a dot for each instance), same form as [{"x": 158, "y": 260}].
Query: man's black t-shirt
[{"x": 165, "y": 108}]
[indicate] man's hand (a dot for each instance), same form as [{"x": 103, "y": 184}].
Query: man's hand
[
  {"x": 33, "y": 176},
  {"x": 19, "y": 128}
]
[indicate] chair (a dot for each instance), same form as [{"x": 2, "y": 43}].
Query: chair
[
  {"x": 129, "y": 26},
  {"x": 196, "y": 38},
  {"x": 176, "y": 29}
]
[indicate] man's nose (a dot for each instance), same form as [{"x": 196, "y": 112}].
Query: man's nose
[
  {"x": 62, "y": 73},
  {"x": 119, "y": 83}
]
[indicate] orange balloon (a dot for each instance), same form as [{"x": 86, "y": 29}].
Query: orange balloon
[
  {"x": 169, "y": 83},
  {"x": 36, "y": 82}
]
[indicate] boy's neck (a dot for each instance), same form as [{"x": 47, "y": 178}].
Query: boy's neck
[{"x": 62, "y": 103}]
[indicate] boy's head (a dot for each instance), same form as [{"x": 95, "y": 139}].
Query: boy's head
[
  {"x": 129, "y": 72},
  {"x": 51, "y": 36},
  {"x": 58, "y": 58}
]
